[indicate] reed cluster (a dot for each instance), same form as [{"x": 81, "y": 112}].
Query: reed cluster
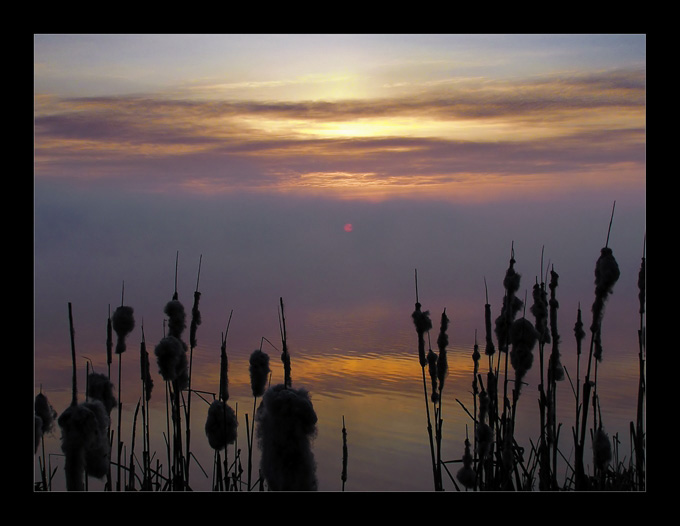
[{"x": 494, "y": 461}]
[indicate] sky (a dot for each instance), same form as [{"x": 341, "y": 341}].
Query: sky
[
  {"x": 467, "y": 117},
  {"x": 253, "y": 153}
]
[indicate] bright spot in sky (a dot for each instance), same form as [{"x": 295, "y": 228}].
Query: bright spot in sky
[{"x": 348, "y": 227}]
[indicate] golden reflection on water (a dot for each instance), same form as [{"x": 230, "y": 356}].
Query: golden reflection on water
[{"x": 376, "y": 384}]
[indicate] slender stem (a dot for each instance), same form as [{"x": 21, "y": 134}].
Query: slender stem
[{"x": 74, "y": 392}]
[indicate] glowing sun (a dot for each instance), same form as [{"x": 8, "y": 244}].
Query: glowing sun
[{"x": 348, "y": 227}]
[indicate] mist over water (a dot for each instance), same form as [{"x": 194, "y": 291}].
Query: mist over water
[{"x": 349, "y": 298}]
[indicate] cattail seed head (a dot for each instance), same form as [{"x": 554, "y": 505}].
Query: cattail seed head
[
  {"x": 286, "y": 425},
  {"x": 421, "y": 320},
  {"x": 259, "y": 371},
  {"x": 220, "y": 425},
  {"x": 606, "y": 275},
  {"x": 466, "y": 475},
  {"x": 489, "y": 350},
  {"x": 172, "y": 361},
  {"x": 484, "y": 439},
  {"x": 99, "y": 387},
  {"x": 147, "y": 380},
  {"x": 84, "y": 442},
  {"x": 174, "y": 310},
  {"x": 523, "y": 337},
  {"x": 123, "y": 322},
  {"x": 432, "y": 369},
  {"x": 195, "y": 320},
  {"x": 579, "y": 333},
  {"x": 442, "y": 342},
  {"x": 602, "y": 449},
  {"x": 512, "y": 278},
  {"x": 46, "y": 412},
  {"x": 540, "y": 311}
]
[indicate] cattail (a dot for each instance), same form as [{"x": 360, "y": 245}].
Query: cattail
[
  {"x": 46, "y": 412},
  {"x": 109, "y": 340},
  {"x": 555, "y": 364},
  {"x": 99, "y": 387},
  {"x": 484, "y": 439},
  {"x": 45, "y": 416},
  {"x": 606, "y": 275},
  {"x": 641, "y": 286},
  {"x": 540, "y": 311},
  {"x": 442, "y": 342},
  {"x": 523, "y": 337},
  {"x": 195, "y": 320},
  {"x": 259, "y": 371},
  {"x": 123, "y": 322},
  {"x": 285, "y": 355},
  {"x": 172, "y": 360},
  {"x": 286, "y": 426},
  {"x": 147, "y": 380},
  {"x": 422, "y": 321},
  {"x": 579, "y": 333},
  {"x": 490, "y": 349},
  {"x": 98, "y": 451},
  {"x": 511, "y": 304},
  {"x": 221, "y": 424},
  {"x": 432, "y": 369},
  {"x": 602, "y": 449},
  {"x": 512, "y": 278},
  {"x": 224, "y": 372},
  {"x": 466, "y": 475},
  {"x": 38, "y": 431},
  {"x": 176, "y": 317},
  {"x": 85, "y": 442}
]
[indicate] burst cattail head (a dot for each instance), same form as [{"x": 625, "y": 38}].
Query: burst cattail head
[
  {"x": 606, "y": 275},
  {"x": 421, "y": 319},
  {"x": 123, "y": 322},
  {"x": 512, "y": 278},
  {"x": 38, "y": 431},
  {"x": 286, "y": 426},
  {"x": 99, "y": 387},
  {"x": 259, "y": 371},
  {"x": 511, "y": 306},
  {"x": 602, "y": 449},
  {"x": 172, "y": 360},
  {"x": 221, "y": 424},
  {"x": 174, "y": 310},
  {"x": 555, "y": 367},
  {"x": 523, "y": 337},
  {"x": 46, "y": 412},
  {"x": 483, "y": 405},
  {"x": 466, "y": 475},
  {"x": 98, "y": 451},
  {"x": 484, "y": 439},
  {"x": 84, "y": 441},
  {"x": 540, "y": 311}
]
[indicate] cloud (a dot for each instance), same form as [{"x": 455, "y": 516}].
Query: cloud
[{"x": 535, "y": 127}]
